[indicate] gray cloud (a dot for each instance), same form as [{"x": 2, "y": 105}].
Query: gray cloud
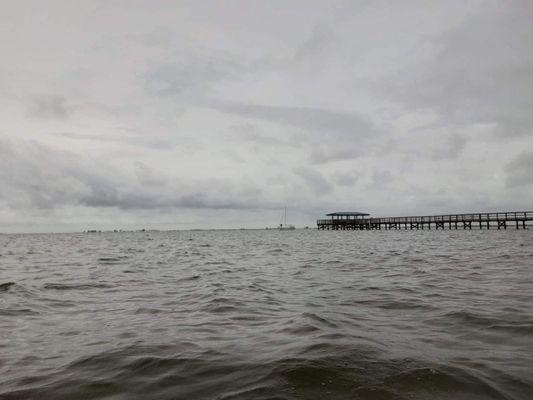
[
  {"x": 309, "y": 118},
  {"x": 482, "y": 72},
  {"x": 191, "y": 72},
  {"x": 129, "y": 138},
  {"x": 320, "y": 38},
  {"x": 381, "y": 179},
  {"x": 48, "y": 107},
  {"x": 59, "y": 108},
  {"x": 146, "y": 176},
  {"x": 328, "y": 135},
  {"x": 252, "y": 134},
  {"x": 346, "y": 178},
  {"x": 519, "y": 172},
  {"x": 451, "y": 148},
  {"x": 323, "y": 152},
  {"x": 314, "y": 180},
  {"x": 38, "y": 176}
]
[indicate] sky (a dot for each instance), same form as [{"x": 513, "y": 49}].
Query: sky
[{"x": 219, "y": 114}]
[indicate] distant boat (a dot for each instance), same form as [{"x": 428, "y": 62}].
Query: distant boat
[{"x": 283, "y": 226}]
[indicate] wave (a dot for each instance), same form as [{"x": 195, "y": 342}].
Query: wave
[
  {"x": 4, "y": 287},
  {"x": 320, "y": 318},
  {"x": 190, "y": 372},
  {"x": 76, "y": 286},
  {"x": 13, "y": 312},
  {"x": 474, "y": 319},
  {"x": 112, "y": 260}
]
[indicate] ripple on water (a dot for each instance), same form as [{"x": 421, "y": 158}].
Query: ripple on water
[
  {"x": 258, "y": 315},
  {"x": 112, "y": 260},
  {"x": 76, "y": 286},
  {"x": 4, "y": 287}
]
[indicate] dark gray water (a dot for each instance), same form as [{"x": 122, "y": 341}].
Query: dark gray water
[{"x": 267, "y": 315}]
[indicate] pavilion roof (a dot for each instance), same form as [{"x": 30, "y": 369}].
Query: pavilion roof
[{"x": 347, "y": 214}]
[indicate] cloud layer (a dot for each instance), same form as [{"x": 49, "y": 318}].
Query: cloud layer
[{"x": 165, "y": 115}]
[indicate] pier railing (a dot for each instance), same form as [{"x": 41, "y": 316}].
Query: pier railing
[
  {"x": 475, "y": 217},
  {"x": 509, "y": 216}
]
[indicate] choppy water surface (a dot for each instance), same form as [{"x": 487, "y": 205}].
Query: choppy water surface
[{"x": 267, "y": 315}]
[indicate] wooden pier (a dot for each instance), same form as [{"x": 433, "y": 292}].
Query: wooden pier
[{"x": 363, "y": 221}]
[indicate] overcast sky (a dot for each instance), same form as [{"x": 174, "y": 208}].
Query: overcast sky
[{"x": 191, "y": 114}]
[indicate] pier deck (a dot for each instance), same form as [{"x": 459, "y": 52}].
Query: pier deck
[{"x": 498, "y": 220}]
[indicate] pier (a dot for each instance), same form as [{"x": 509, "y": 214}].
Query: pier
[{"x": 362, "y": 221}]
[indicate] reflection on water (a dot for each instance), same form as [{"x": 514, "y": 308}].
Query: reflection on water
[{"x": 267, "y": 315}]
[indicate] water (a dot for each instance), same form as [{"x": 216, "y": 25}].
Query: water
[{"x": 267, "y": 315}]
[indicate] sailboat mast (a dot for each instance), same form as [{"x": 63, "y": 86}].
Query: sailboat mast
[{"x": 285, "y": 217}]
